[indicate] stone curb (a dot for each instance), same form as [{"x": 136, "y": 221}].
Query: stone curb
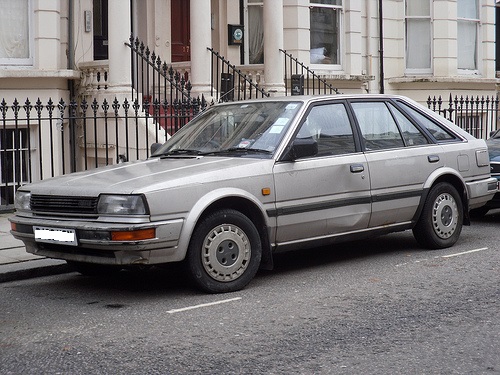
[{"x": 31, "y": 269}]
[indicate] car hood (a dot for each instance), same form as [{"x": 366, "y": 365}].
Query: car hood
[
  {"x": 494, "y": 149},
  {"x": 151, "y": 175}
]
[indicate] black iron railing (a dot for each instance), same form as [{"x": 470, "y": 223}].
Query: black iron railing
[
  {"x": 228, "y": 83},
  {"x": 161, "y": 90},
  {"x": 154, "y": 78},
  {"x": 300, "y": 79},
  {"x": 41, "y": 140},
  {"x": 476, "y": 115}
]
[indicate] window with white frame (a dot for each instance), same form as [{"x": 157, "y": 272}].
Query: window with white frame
[
  {"x": 254, "y": 25},
  {"x": 15, "y": 32},
  {"x": 418, "y": 35},
  {"x": 467, "y": 34},
  {"x": 326, "y": 28}
]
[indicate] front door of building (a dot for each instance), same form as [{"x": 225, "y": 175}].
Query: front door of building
[{"x": 180, "y": 31}]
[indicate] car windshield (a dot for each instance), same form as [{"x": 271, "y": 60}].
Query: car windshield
[{"x": 242, "y": 128}]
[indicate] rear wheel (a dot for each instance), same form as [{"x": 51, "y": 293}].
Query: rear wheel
[
  {"x": 441, "y": 220},
  {"x": 225, "y": 252}
]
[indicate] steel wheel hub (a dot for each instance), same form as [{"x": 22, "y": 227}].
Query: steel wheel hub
[
  {"x": 445, "y": 216},
  {"x": 226, "y": 252}
]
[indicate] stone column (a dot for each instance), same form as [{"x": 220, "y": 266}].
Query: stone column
[
  {"x": 119, "y": 29},
  {"x": 201, "y": 38},
  {"x": 273, "y": 41}
]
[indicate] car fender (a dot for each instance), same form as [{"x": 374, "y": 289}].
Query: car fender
[
  {"x": 442, "y": 171},
  {"x": 443, "y": 174},
  {"x": 202, "y": 205}
]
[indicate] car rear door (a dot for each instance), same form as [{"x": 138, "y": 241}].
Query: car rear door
[
  {"x": 328, "y": 193},
  {"x": 400, "y": 159}
]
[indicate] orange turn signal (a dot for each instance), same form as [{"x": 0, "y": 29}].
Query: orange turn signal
[
  {"x": 134, "y": 235},
  {"x": 266, "y": 191}
]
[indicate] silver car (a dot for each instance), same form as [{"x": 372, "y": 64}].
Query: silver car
[{"x": 245, "y": 180}]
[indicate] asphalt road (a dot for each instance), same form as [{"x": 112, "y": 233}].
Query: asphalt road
[{"x": 381, "y": 306}]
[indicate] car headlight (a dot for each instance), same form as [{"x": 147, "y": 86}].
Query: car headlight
[
  {"x": 122, "y": 205},
  {"x": 22, "y": 200}
]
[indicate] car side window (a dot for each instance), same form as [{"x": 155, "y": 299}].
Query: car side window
[
  {"x": 437, "y": 131},
  {"x": 329, "y": 125},
  {"x": 377, "y": 125},
  {"x": 411, "y": 133}
]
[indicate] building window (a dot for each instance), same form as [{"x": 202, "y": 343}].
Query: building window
[
  {"x": 15, "y": 32},
  {"x": 254, "y": 24},
  {"x": 325, "y": 18},
  {"x": 418, "y": 36},
  {"x": 467, "y": 34}
]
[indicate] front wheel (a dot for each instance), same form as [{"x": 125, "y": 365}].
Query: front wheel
[
  {"x": 441, "y": 220},
  {"x": 224, "y": 253}
]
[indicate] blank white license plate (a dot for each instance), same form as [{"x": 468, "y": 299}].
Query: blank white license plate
[{"x": 57, "y": 236}]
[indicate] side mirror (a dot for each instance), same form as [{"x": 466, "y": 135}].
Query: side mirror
[
  {"x": 154, "y": 147},
  {"x": 301, "y": 148}
]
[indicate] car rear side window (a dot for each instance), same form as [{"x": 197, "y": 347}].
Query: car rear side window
[
  {"x": 329, "y": 125},
  {"x": 438, "y": 132},
  {"x": 378, "y": 127},
  {"x": 411, "y": 134}
]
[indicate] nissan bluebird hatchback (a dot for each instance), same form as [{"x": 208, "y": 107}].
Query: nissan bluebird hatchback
[{"x": 245, "y": 180}]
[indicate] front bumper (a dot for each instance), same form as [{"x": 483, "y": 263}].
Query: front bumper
[
  {"x": 94, "y": 241},
  {"x": 495, "y": 201},
  {"x": 481, "y": 191}
]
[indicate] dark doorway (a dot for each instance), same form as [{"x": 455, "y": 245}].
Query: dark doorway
[
  {"x": 180, "y": 31},
  {"x": 100, "y": 29}
]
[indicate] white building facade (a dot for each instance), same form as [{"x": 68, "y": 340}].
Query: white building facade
[
  {"x": 435, "y": 46},
  {"x": 64, "y": 49}
]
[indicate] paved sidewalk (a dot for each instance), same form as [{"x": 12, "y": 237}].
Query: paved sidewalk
[{"x": 16, "y": 263}]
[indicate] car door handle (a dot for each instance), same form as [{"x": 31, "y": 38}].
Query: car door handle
[
  {"x": 357, "y": 168},
  {"x": 433, "y": 158}
]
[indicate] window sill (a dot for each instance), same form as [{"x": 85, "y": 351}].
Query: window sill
[
  {"x": 433, "y": 79},
  {"x": 35, "y": 73}
]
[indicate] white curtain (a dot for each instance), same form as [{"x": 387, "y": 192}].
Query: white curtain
[
  {"x": 467, "y": 34},
  {"x": 418, "y": 44},
  {"x": 467, "y": 38},
  {"x": 420, "y": 8},
  {"x": 467, "y": 9},
  {"x": 14, "y": 29},
  {"x": 418, "y": 34},
  {"x": 255, "y": 35}
]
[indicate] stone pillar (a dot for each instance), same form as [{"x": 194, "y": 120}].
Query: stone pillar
[
  {"x": 119, "y": 29},
  {"x": 201, "y": 38},
  {"x": 273, "y": 41}
]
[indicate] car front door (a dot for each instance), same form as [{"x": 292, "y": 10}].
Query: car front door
[{"x": 327, "y": 193}]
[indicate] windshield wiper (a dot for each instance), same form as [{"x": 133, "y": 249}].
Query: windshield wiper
[
  {"x": 243, "y": 150},
  {"x": 180, "y": 151}
]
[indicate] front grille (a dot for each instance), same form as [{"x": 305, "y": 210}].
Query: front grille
[{"x": 64, "y": 204}]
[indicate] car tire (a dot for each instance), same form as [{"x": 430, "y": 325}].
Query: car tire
[
  {"x": 224, "y": 253},
  {"x": 91, "y": 269},
  {"x": 441, "y": 220}
]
